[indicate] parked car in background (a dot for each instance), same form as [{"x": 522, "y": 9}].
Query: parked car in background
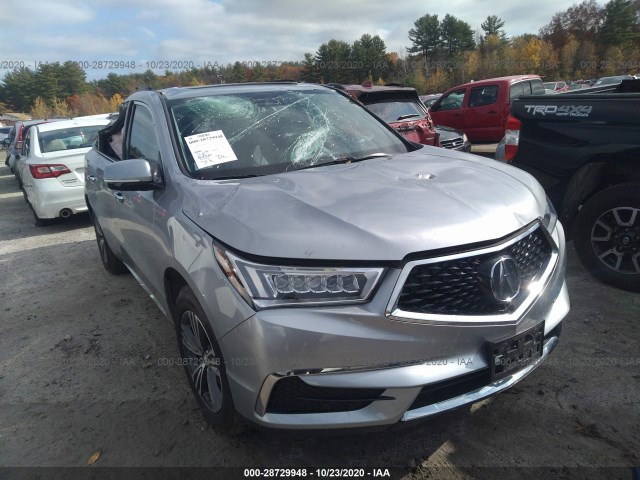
[
  {"x": 453, "y": 139},
  {"x": 52, "y": 166},
  {"x": 400, "y": 107},
  {"x": 4, "y": 133},
  {"x": 430, "y": 99},
  {"x": 14, "y": 141},
  {"x": 578, "y": 86},
  {"x": 558, "y": 86},
  {"x": 584, "y": 148},
  {"x": 481, "y": 109},
  {"x": 612, "y": 80},
  {"x": 322, "y": 271}
]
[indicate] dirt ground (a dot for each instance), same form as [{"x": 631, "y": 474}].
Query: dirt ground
[{"x": 83, "y": 370}]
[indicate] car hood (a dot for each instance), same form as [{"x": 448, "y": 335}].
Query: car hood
[
  {"x": 378, "y": 209},
  {"x": 448, "y": 133}
]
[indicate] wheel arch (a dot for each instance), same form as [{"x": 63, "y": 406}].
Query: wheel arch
[
  {"x": 600, "y": 173},
  {"x": 173, "y": 283}
]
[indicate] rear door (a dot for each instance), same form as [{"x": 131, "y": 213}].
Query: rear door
[
  {"x": 447, "y": 110},
  {"x": 482, "y": 114}
]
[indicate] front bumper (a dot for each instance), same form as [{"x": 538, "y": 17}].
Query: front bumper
[{"x": 378, "y": 369}]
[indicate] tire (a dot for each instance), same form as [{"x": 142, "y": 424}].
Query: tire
[
  {"x": 607, "y": 236},
  {"x": 39, "y": 222},
  {"x": 204, "y": 364},
  {"x": 111, "y": 263}
]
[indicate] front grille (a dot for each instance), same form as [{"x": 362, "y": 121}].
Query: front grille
[
  {"x": 461, "y": 286},
  {"x": 292, "y": 395},
  {"x": 453, "y": 143}
]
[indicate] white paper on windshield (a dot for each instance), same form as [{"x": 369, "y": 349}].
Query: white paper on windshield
[{"x": 210, "y": 148}]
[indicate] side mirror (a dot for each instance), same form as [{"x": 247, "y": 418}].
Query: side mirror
[
  {"x": 130, "y": 175},
  {"x": 17, "y": 155},
  {"x": 6, "y": 141}
]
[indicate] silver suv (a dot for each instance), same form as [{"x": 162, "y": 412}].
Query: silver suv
[{"x": 321, "y": 270}]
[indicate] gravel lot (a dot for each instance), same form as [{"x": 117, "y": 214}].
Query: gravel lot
[{"x": 84, "y": 368}]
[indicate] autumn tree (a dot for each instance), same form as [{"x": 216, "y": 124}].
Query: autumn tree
[
  {"x": 309, "y": 72},
  {"x": 113, "y": 84},
  {"x": 369, "y": 57},
  {"x": 257, "y": 73},
  {"x": 581, "y": 20},
  {"x": 60, "y": 108},
  {"x": 620, "y": 25},
  {"x": 333, "y": 61},
  {"x": 425, "y": 36},
  {"x": 493, "y": 26},
  {"x": 40, "y": 109},
  {"x": 18, "y": 89},
  {"x": 456, "y": 36}
]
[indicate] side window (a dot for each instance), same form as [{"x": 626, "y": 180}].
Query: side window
[
  {"x": 26, "y": 144},
  {"x": 537, "y": 87},
  {"x": 481, "y": 96},
  {"x": 452, "y": 101},
  {"x": 142, "y": 141},
  {"x": 516, "y": 90}
]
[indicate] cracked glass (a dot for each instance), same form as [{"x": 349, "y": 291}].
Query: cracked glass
[{"x": 274, "y": 131}]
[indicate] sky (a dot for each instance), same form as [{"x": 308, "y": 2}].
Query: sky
[{"x": 141, "y": 34}]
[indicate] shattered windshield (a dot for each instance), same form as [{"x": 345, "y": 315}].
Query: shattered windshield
[{"x": 273, "y": 131}]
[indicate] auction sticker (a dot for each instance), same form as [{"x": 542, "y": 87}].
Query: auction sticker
[{"x": 210, "y": 148}]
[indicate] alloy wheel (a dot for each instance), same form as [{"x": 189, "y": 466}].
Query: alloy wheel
[
  {"x": 201, "y": 361},
  {"x": 615, "y": 239}
]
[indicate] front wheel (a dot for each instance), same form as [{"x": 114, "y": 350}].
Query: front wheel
[
  {"x": 204, "y": 364},
  {"x": 111, "y": 263},
  {"x": 607, "y": 236}
]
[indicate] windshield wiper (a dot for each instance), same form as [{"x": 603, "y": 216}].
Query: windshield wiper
[
  {"x": 346, "y": 159},
  {"x": 233, "y": 177},
  {"x": 408, "y": 115}
]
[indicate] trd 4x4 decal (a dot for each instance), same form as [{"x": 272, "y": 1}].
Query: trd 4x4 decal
[{"x": 560, "y": 111}]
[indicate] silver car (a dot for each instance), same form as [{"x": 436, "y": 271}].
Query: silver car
[{"x": 322, "y": 271}]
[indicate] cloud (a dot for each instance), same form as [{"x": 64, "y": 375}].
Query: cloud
[
  {"x": 227, "y": 30},
  {"x": 149, "y": 33},
  {"x": 46, "y": 12}
]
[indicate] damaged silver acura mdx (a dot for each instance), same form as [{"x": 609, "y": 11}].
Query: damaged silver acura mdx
[{"x": 321, "y": 270}]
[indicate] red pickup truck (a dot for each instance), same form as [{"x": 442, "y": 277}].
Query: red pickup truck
[{"x": 481, "y": 109}]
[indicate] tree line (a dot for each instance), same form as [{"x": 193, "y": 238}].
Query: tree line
[{"x": 585, "y": 41}]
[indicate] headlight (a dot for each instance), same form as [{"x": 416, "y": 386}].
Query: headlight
[
  {"x": 464, "y": 138},
  {"x": 264, "y": 286},
  {"x": 550, "y": 217}
]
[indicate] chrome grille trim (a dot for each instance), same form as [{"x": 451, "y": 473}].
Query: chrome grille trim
[{"x": 393, "y": 312}]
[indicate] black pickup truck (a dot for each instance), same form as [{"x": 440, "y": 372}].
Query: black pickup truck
[{"x": 584, "y": 148}]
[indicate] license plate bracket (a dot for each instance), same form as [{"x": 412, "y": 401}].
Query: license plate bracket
[{"x": 515, "y": 353}]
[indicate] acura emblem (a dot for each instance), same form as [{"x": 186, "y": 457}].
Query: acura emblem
[{"x": 505, "y": 279}]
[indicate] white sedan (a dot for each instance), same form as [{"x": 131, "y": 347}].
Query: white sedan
[{"x": 52, "y": 166}]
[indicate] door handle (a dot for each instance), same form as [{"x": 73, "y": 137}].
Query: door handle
[
  {"x": 119, "y": 196},
  {"x": 492, "y": 111},
  {"x": 457, "y": 114},
  {"x": 92, "y": 178}
]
